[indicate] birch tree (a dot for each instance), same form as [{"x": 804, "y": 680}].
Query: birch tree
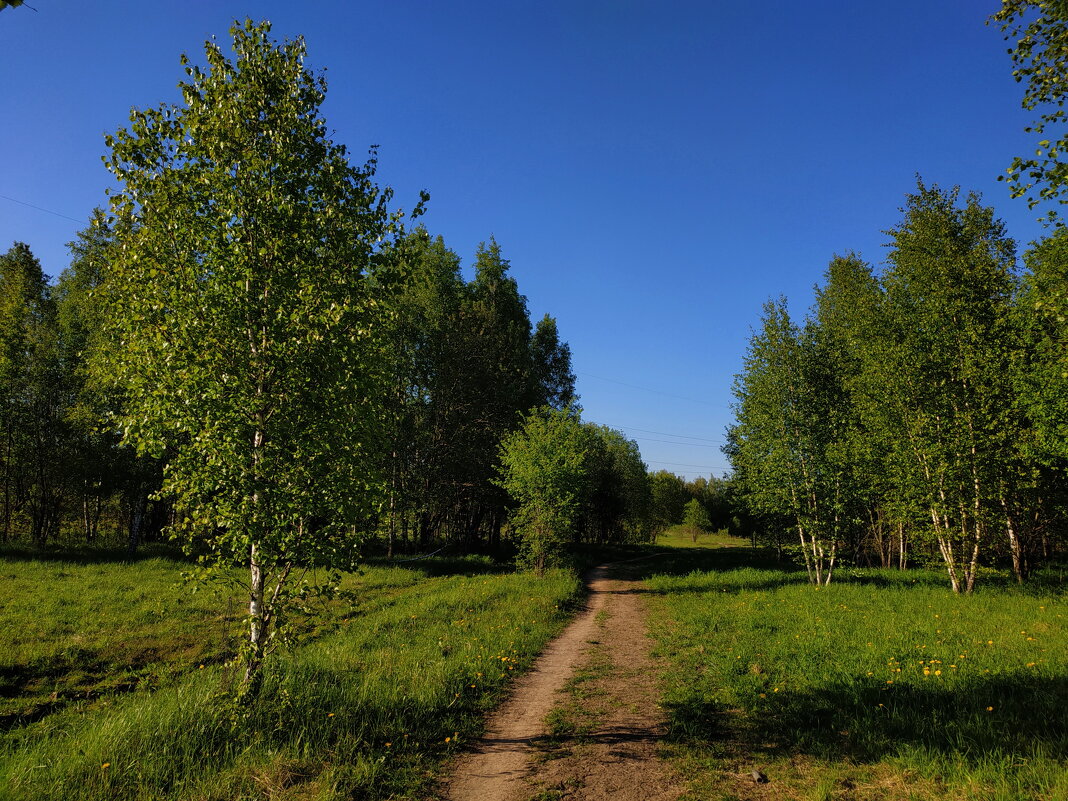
[
  {"x": 245, "y": 326},
  {"x": 783, "y": 444},
  {"x": 945, "y": 370}
]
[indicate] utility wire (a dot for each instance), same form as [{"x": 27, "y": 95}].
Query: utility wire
[
  {"x": 699, "y": 466},
  {"x": 665, "y": 434},
  {"x": 672, "y": 442},
  {"x": 40, "y": 208}
]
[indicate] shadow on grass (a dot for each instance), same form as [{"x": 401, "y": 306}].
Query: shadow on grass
[
  {"x": 438, "y": 566},
  {"x": 91, "y": 555},
  {"x": 1009, "y": 715}
]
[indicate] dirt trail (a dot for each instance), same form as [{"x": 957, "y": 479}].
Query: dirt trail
[{"x": 598, "y": 680}]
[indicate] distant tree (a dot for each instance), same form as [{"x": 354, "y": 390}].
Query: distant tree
[
  {"x": 1038, "y": 31},
  {"x": 619, "y": 502},
  {"x": 555, "y": 382},
  {"x": 544, "y": 470},
  {"x": 245, "y": 324},
  {"x": 32, "y": 397},
  {"x": 695, "y": 518},
  {"x": 668, "y": 499}
]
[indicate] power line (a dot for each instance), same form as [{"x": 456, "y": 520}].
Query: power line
[
  {"x": 667, "y": 434},
  {"x": 40, "y": 208},
  {"x": 671, "y": 442}
]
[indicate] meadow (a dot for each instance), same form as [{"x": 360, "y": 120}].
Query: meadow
[
  {"x": 116, "y": 683},
  {"x": 883, "y": 685}
]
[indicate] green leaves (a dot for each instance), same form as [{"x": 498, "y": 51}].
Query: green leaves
[
  {"x": 247, "y": 334},
  {"x": 1039, "y": 31}
]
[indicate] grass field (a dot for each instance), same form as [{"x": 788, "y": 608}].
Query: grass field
[
  {"x": 883, "y": 685},
  {"x": 114, "y": 685}
]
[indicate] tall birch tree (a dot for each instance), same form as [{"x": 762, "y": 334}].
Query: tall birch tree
[{"x": 245, "y": 321}]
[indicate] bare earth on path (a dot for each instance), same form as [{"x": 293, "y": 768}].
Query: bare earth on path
[{"x": 597, "y": 684}]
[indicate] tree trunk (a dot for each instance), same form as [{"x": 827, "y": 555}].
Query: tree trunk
[{"x": 257, "y": 623}]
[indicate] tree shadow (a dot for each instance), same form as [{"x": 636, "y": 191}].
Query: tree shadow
[
  {"x": 91, "y": 555},
  {"x": 1004, "y": 715},
  {"x": 438, "y": 566}
]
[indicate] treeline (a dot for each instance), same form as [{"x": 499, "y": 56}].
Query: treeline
[
  {"x": 716, "y": 499},
  {"x": 464, "y": 364},
  {"x": 919, "y": 413}
]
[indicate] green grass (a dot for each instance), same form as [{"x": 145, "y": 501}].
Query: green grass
[
  {"x": 883, "y": 685},
  {"x": 367, "y": 709},
  {"x": 682, "y": 537},
  {"x": 77, "y": 626}
]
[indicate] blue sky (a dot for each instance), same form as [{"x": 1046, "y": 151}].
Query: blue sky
[{"x": 654, "y": 171}]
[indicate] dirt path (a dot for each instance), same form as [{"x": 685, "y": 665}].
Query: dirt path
[{"x": 597, "y": 681}]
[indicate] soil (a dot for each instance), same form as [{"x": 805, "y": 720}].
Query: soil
[{"x": 584, "y": 722}]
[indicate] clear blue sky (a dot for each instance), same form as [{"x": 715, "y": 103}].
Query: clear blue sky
[{"x": 654, "y": 170}]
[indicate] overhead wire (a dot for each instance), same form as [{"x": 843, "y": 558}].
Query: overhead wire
[
  {"x": 698, "y": 466},
  {"x": 40, "y": 208}
]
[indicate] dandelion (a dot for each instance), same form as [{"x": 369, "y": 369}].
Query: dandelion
[
  {"x": 330, "y": 715},
  {"x": 938, "y": 672},
  {"x": 990, "y": 709},
  {"x": 448, "y": 739},
  {"x": 105, "y": 766},
  {"x": 389, "y": 745}
]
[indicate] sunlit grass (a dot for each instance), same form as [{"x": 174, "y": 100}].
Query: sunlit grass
[
  {"x": 682, "y": 537},
  {"x": 365, "y": 711},
  {"x": 884, "y": 679}
]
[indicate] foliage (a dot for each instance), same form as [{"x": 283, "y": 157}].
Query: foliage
[
  {"x": 464, "y": 366},
  {"x": 1038, "y": 30},
  {"x": 696, "y": 518},
  {"x": 544, "y": 469},
  {"x": 785, "y": 443},
  {"x": 1043, "y": 307},
  {"x": 944, "y": 361},
  {"x": 915, "y": 410},
  {"x": 619, "y": 501},
  {"x": 552, "y": 366},
  {"x": 31, "y": 397},
  {"x": 245, "y": 328},
  {"x": 669, "y": 499}
]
